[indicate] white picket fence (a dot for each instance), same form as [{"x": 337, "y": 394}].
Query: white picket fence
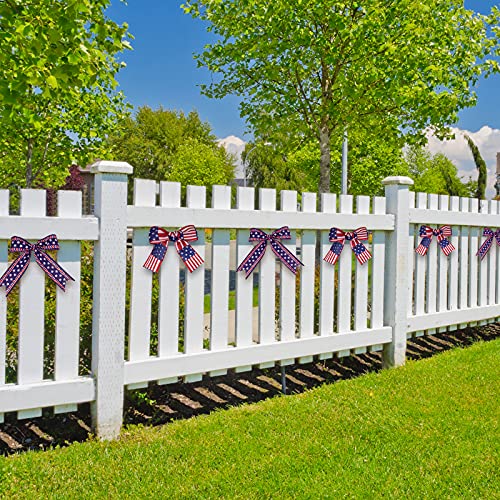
[{"x": 376, "y": 306}]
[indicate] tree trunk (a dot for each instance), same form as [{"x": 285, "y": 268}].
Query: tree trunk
[
  {"x": 29, "y": 164},
  {"x": 325, "y": 158}
]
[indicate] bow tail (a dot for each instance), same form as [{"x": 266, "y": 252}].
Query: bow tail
[
  {"x": 484, "y": 248},
  {"x": 360, "y": 251},
  {"x": 15, "y": 272},
  {"x": 251, "y": 261},
  {"x": 286, "y": 256},
  {"x": 191, "y": 258},
  {"x": 155, "y": 259},
  {"x": 53, "y": 270},
  {"x": 445, "y": 245},
  {"x": 333, "y": 254},
  {"x": 424, "y": 245}
]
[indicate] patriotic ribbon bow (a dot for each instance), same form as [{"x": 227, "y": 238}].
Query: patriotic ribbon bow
[
  {"x": 338, "y": 238},
  {"x": 16, "y": 270},
  {"x": 442, "y": 234},
  {"x": 160, "y": 238},
  {"x": 490, "y": 234},
  {"x": 253, "y": 258}
]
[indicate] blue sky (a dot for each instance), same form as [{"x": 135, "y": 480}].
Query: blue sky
[{"x": 161, "y": 69}]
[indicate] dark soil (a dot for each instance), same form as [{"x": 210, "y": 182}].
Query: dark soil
[{"x": 159, "y": 405}]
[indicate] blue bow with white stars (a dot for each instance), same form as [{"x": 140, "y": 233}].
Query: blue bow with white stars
[
  {"x": 253, "y": 258},
  {"x": 338, "y": 238},
  {"x": 16, "y": 270}
]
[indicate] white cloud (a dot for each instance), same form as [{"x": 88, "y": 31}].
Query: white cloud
[
  {"x": 235, "y": 146},
  {"x": 487, "y": 140}
]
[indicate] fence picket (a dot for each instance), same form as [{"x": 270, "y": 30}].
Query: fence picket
[
  {"x": 4, "y": 211},
  {"x": 361, "y": 281},
  {"x": 31, "y": 309},
  {"x": 168, "y": 300},
  {"x": 287, "y": 279},
  {"x": 307, "y": 276},
  {"x": 219, "y": 311},
  {"x": 411, "y": 260},
  {"x": 420, "y": 268},
  {"x": 267, "y": 281},
  {"x": 454, "y": 261},
  {"x": 327, "y": 276},
  {"x": 483, "y": 267},
  {"x": 378, "y": 274},
  {"x": 344, "y": 298},
  {"x": 142, "y": 280},
  {"x": 443, "y": 263},
  {"x": 473, "y": 260},
  {"x": 67, "y": 340},
  {"x": 245, "y": 200},
  {"x": 464, "y": 261},
  {"x": 432, "y": 268},
  {"x": 195, "y": 287},
  {"x": 492, "y": 261}
]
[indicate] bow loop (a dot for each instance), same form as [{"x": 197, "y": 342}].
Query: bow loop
[
  {"x": 442, "y": 233},
  {"x": 16, "y": 270},
  {"x": 254, "y": 257},
  {"x": 339, "y": 237},
  {"x": 160, "y": 238},
  {"x": 490, "y": 235}
]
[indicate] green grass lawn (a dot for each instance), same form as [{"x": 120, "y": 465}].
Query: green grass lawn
[{"x": 428, "y": 430}]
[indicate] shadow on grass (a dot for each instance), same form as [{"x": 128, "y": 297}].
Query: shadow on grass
[{"x": 159, "y": 405}]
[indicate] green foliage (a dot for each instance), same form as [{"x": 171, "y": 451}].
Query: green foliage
[
  {"x": 58, "y": 62},
  {"x": 200, "y": 164},
  {"x": 481, "y": 167},
  {"x": 426, "y": 430},
  {"x": 370, "y": 162},
  {"x": 169, "y": 145},
  {"x": 268, "y": 167},
  {"x": 316, "y": 68},
  {"x": 434, "y": 173}
]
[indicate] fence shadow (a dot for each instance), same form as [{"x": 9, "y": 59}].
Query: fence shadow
[{"x": 159, "y": 405}]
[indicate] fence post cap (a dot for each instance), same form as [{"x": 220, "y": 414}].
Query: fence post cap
[
  {"x": 398, "y": 180},
  {"x": 111, "y": 167}
]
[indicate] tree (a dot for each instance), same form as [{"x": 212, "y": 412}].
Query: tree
[
  {"x": 481, "y": 167},
  {"x": 201, "y": 164},
  {"x": 58, "y": 61},
  {"x": 434, "y": 173},
  {"x": 319, "y": 67},
  {"x": 169, "y": 145},
  {"x": 268, "y": 166}
]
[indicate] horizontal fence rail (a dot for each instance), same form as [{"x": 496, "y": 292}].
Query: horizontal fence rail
[{"x": 175, "y": 325}]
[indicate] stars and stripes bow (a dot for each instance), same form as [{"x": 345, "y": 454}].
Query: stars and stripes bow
[
  {"x": 253, "y": 258},
  {"x": 490, "y": 234},
  {"x": 442, "y": 233},
  {"x": 16, "y": 270},
  {"x": 160, "y": 238},
  {"x": 338, "y": 238}
]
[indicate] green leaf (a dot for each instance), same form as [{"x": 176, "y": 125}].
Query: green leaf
[{"x": 52, "y": 81}]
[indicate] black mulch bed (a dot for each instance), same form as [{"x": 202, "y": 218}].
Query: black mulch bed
[{"x": 159, "y": 405}]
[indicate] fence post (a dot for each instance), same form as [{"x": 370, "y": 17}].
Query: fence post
[
  {"x": 108, "y": 315},
  {"x": 397, "y": 284}
]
